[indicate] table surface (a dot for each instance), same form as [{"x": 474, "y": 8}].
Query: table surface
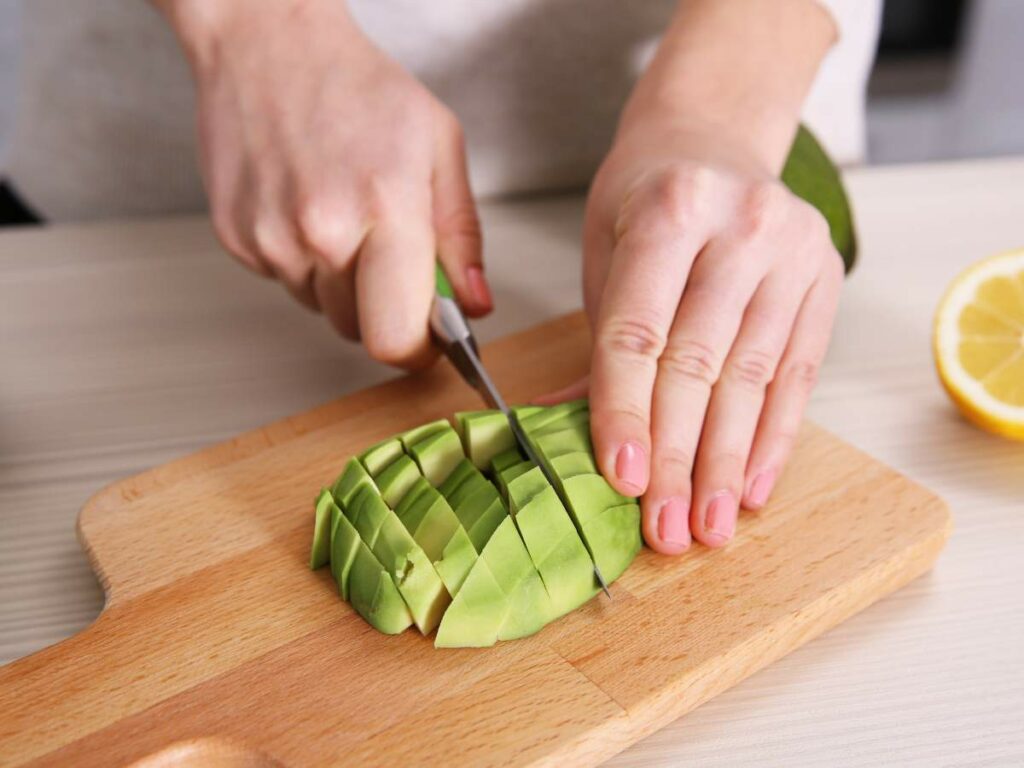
[{"x": 126, "y": 345}]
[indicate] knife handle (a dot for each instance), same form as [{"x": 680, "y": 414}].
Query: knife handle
[
  {"x": 446, "y": 319},
  {"x": 443, "y": 287}
]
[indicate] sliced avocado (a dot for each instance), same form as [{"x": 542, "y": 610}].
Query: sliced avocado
[
  {"x": 504, "y": 460},
  {"x": 441, "y": 536},
  {"x": 485, "y": 434},
  {"x": 524, "y": 486},
  {"x": 345, "y": 544},
  {"x": 569, "y": 465},
  {"x": 477, "y": 613},
  {"x": 416, "y": 434},
  {"x": 556, "y": 550},
  {"x": 373, "y": 593},
  {"x": 367, "y": 513},
  {"x": 412, "y": 496},
  {"x": 396, "y": 480},
  {"x": 535, "y": 421},
  {"x": 578, "y": 420},
  {"x": 554, "y": 444},
  {"x": 480, "y": 512},
  {"x": 437, "y": 455},
  {"x": 456, "y": 561},
  {"x": 508, "y": 474},
  {"x": 352, "y": 478},
  {"x": 610, "y": 521},
  {"x": 530, "y": 609},
  {"x": 524, "y": 411},
  {"x": 320, "y": 554},
  {"x": 414, "y": 574},
  {"x": 463, "y": 471},
  {"x": 377, "y": 458}
]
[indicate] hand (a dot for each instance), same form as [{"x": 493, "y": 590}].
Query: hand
[
  {"x": 330, "y": 168},
  {"x": 712, "y": 291}
]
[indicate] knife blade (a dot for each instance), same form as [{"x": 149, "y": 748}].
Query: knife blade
[{"x": 454, "y": 336}]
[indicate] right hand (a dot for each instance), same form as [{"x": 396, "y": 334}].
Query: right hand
[{"x": 330, "y": 168}]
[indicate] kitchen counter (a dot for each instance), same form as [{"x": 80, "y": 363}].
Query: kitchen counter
[{"x": 124, "y": 345}]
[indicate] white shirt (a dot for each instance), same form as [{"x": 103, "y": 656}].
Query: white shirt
[{"x": 104, "y": 122}]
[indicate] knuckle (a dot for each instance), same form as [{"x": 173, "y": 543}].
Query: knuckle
[
  {"x": 691, "y": 361},
  {"x": 272, "y": 242},
  {"x": 634, "y": 337},
  {"x": 678, "y": 191},
  {"x": 390, "y": 348},
  {"x": 802, "y": 374},
  {"x": 761, "y": 209},
  {"x": 675, "y": 464},
  {"x": 752, "y": 369}
]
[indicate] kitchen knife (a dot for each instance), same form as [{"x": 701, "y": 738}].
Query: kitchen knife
[{"x": 452, "y": 333}]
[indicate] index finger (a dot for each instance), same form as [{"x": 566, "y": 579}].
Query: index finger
[{"x": 649, "y": 268}]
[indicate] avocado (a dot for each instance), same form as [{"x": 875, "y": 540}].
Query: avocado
[
  {"x": 484, "y": 435},
  {"x": 480, "y": 512},
  {"x": 396, "y": 480},
  {"x": 416, "y": 434},
  {"x": 504, "y": 460},
  {"x": 437, "y": 455},
  {"x": 463, "y": 471},
  {"x": 554, "y": 444},
  {"x": 377, "y": 458},
  {"x": 533, "y": 422},
  {"x": 419, "y": 487},
  {"x": 367, "y": 513},
  {"x": 352, "y": 478},
  {"x": 456, "y": 561},
  {"x": 374, "y": 595},
  {"x": 530, "y": 607},
  {"x": 413, "y": 573},
  {"x": 320, "y": 554},
  {"x": 436, "y": 529},
  {"x": 477, "y": 613},
  {"x": 344, "y": 544}
]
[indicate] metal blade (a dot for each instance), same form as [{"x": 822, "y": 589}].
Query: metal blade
[{"x": 482, "y": 381}]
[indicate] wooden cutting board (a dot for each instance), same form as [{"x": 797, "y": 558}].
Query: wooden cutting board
[{"x": 218, "y": 646}]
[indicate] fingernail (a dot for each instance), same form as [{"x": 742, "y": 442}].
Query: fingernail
[
  {"x": 631, "y": 466},
  {"x": 720, "y": 518},
  {"x": 478, "y": 287},
  {"x": 673, "y": 522},
  {"x": 761, "y": 488}
]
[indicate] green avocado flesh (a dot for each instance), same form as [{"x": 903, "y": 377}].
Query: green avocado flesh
[{"x": 451, "y": 528}]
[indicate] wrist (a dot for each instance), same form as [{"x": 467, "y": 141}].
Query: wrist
[{"x": 738, "y": 70}]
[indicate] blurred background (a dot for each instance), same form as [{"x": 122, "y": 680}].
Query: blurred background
[{"x": 946, "y": 83}]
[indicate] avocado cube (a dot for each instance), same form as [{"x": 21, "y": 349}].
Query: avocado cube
[
  {"x": 485, "y": 434},
  {"x": 377, "y": 458},
  {"x": 416, "y": 434},
  {"x": 437, "y": 455},
  {"x": 463, "y": 471},
  {"x": 396, "y": 480},
  {"x": 345, "y": 543},
  {"x": 477, "y": 613},
  {"x": 504, "y": 460},
  {"x": 321, "y": 551},
  {"x": 352, "y": 478},
  {"x": 374, "y": 595}
]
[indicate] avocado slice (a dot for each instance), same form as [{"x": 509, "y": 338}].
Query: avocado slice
[
  {"x": 554, "y": 444},
  {"x": 553, "y": 543},
  {"x": 538, "y": 419},
  {"x": 610, "y": 521},
  {"x": 484, "y": 435},
  {"x": 345, "y": 543},
  {"x": 568, "y": 465},
  {"x": 577, "y": 420},
  {"x": 436, "y": 529},
  {"x": 367, "y": 513},
  {"x": 508, "y": 474},
  {"x": 413, "y": 573},
  {"x": 477, "y": 613},
  {"x": 412, "y": 496},
  {"x": 437, "y": 455},
  {"x": 396, "y": 480},
  {"x": 378, "y": 457},
  {"x": 416, "y": 434},
  {"x": 320, "y": 554},
  {"x": 530, "y": 606},
  {"x": 480, "y": 511},
  {"x": 505, "y": 460},
  {"x": 523, "y": 411},
  {"x": 463, "y": 471},
  {"x": 352, "y": 478},
  {"x": 373, "y": 593}
]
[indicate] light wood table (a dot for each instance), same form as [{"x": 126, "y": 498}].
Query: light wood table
[{"x": 125, "y": 345}]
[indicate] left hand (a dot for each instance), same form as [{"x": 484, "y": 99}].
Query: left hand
[{"x": 711, "y": 290}]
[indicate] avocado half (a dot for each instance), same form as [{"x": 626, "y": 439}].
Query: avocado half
[{"x": 454, "y": 529}]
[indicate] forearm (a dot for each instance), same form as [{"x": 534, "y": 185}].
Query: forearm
[{"x": 739, "y": 69}]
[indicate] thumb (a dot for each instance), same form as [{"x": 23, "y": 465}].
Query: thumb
[{"x": 456, "y": 224}]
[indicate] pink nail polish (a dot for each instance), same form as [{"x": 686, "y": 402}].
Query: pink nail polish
[
  {"x": 720, "y": 518},
  {"x": 478, "y": 287},
  {"x": 761, "y": 488},
  {"x": 673, "y": 522},
  {"x": 631, "y": 466}
]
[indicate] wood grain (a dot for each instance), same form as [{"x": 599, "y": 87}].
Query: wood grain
[{"x": 215, "y": 630}]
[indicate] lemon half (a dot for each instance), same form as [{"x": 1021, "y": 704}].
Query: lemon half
[{"x": 979, "y": 343}]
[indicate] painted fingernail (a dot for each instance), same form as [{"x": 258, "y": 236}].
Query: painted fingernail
[
  {"x": 631, "y": 466},
  {"x": 478, "y": 287},
  {"x": 673, "y": 522},
  {"x": 720, "y": 518},
  {"x": 761, "y": 488}
]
